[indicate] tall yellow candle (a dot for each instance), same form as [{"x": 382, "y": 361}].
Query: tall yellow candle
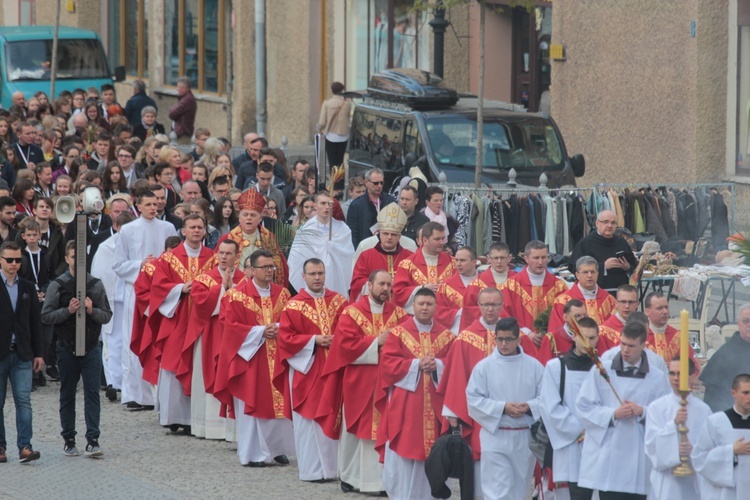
[{"x": 684, "y": 352}]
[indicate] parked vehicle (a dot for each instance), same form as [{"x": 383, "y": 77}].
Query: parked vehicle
[
  {"x": 26, "y": 60},
  {"x": 409, "y": 117}
]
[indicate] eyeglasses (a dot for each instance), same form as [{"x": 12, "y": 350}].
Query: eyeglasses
[
  {"x": 505, "y": 340},
  {"x": 745, "y": 321},
  {"x": 266, "y": 268},
  {"x": 13, "y": 260},
  {"x": 491, "y": 305},
  {"x": 379, "y": 183}
]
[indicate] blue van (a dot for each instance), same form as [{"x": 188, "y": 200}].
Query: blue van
[{"x": 26, "y": 57}]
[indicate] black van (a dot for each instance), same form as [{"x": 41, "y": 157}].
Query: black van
[{"x": 409, "y": 117}]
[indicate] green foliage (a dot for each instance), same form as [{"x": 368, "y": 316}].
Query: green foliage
[{"x": 542, "y": 320}]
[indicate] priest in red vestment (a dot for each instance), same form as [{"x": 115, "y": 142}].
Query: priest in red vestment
[
  {"x": 663, "y": 339},
  {"x": 251, "y": 312},
  {"x": 627, "y": 302},
  {"x": 600, "y": 305},
  {"x": 251, "y": 236},
  {"x": 471, "y": 346},
  {"x": 142, "y": 340},
  {"x": 496, "y": 275},
  {"x": 532, "y": 290},
  {"x": 203, "y": 342},
  {"x": 557, "y": 343},
  {"x": 428, "y": 267},
  {"x": 450, "y": 293},
  {"x": 387, "y": 253},
  {"x": 305, "y": 334},
  {"x": 350, "y": 379},
  {"x": 170, "y": 295},
  {"x": 411, "y": 364}
]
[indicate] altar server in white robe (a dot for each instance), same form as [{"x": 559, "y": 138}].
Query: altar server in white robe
[
  {"x": 663, "y": 445},
  {"x": 613, "y": 459},
  {"x": 140, "y": 242},
  {"x": 327, "y": 239},
  {"x": 722, "y": 453},
  {"x": 503, "y": 397},
  {"x": 560, "y": 417}
]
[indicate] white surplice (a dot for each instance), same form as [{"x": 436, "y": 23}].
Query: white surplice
[
  {"x": 507, "y": 464},
  {"x": 312, "y": 240},
  {"x": 101, "y": 267},
  {"x": 138, "y": 239},
  {"x": 654, "y": 360},
  {"x": 614, "y": 455},
  {"x": 662, "y": 446},
  {"x": 713, "y": 457},
  {"x": 561, "y": 419}
]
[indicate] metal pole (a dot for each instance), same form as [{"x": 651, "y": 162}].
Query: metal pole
[
  {"x": 260, "y": 67},
  {"x": 81, "y": 223},
  {"x": 228, "y": 78},
  {"x": 53, "y": 65},
  {"x": 439, "y": 25}
]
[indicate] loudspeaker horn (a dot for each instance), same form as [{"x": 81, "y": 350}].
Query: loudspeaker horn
[{"x": 65, "y": 209}]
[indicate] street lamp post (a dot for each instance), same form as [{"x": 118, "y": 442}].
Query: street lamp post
[{"x": 439, "y": 25}]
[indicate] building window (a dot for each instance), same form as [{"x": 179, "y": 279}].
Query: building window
[
  {"x": 371, "y": 46},
  {"x": 195, "y": 44},
  {"x": 128, "y": 36},
  {"x": 26, "y": 13}
]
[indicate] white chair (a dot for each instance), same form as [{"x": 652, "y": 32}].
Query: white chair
[{"x": 698, "y": 324}]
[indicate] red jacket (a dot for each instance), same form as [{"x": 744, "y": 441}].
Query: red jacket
[{"x": 183, "y": 115}]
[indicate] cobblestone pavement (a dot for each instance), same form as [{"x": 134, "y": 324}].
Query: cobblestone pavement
[{"x": 142, "y": 460}]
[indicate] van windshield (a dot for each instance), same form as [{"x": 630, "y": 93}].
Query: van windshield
[
  {"x": 77, "y": 59},
  {"x": 510, "y": 142}
]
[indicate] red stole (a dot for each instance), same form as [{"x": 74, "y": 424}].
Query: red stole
[
  {"x": 352, "y": 384},
  {"x": 141, "y": 341},
  {"x": 410, "y": 421},
  {"x": 598, "y": 309},
  {"x": 371, "y": 260},
  {"x": 414, "y": 272},
  {"x": 250, "y": 381},
  {"x": 558, "y": 343},
  {"x": 304, "y": 317},
  {"x": 611, "y": 329},
  {"x": 667, "y": 345},
  {"x": 450, "y": 298},
  {"x": 524, "y": 301},
  {"x": 471, "y": 311}
]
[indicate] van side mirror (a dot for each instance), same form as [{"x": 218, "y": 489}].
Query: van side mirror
[
  {"x": 120, "y": 74},
  {"x": 579, "y": 165}
]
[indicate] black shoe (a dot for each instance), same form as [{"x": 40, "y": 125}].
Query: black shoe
[
  {"x": 256, "y": 464},
  {"x": 346, "y": 487},
  {"x": 187, "y": 430},
  {"x": 133, "y": 406},
  {"x": 174, "y": 427},
  {"x": 383, "y": 494},
  {"x": 147, "y": 407},
  {"x": 53, "y": 373},
  {"x": 111, "y": 393},
  {"x": 281, "y": 460}
]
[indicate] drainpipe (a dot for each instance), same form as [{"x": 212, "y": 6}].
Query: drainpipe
[{"x": 261, "y": 114}]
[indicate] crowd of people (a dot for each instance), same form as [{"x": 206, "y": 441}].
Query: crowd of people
[{"x": 239, "y": 300}]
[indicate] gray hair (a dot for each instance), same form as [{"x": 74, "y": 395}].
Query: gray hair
[
  {"x": 743, "y": 307},
  {"x": 148, "y": 109},
  {"x": 586, "y": 260},
  {"x": 368, "y": 174},
  {"x": 185, "y": 81},
  {"x": 139, "y": 85}
]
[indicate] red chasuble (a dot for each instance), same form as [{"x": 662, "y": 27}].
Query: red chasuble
[
  {"x": 141, "y": 341},
  {"x": 243, "y": 308},
  {"x": 304, "y": 317},
  {"x": 667, "y": 345},
  {"x": 524, "y": 302},
  {"x": 354, "y": 385},
  {"x": 371, "y": 260},
  {"x": 414, "y": 272},
  {"x": 205, "y": 294},
  {"x": 471, "y": 346},
  {"x": 450, "y": 298},
  {"x": 598, "y": 309},
  {"x": 267, "y": 242},
  {"x": 611, "y": 330},
  {"x": 410, "y": 421},
  {"x": 471, "y": 311},
  {"x": 175, "y": 268},
  {"x": 558, "y": 343}
]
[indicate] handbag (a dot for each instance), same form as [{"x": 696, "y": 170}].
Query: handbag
[{"x": 539, "y": 442}]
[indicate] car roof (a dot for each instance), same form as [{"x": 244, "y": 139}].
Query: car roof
[{"x": 26, "y": 33}]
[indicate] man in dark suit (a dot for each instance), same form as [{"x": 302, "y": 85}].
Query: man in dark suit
[
  {"x": 363, "y": 212},
  {"x": 21, "y": 348}
]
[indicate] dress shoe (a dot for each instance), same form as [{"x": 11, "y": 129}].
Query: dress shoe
[
  {"x": 53, "y": 373},
  {"x": 133, "y": 406},
  {"x": 281, "y": 460},
  {"x": 111, "y": 393},
  {"x": 256, "y": 464},
  {"x": 174, "y": 427},
  {"x": 346, "y": 487},
  {"x": 28, "y": 455}
]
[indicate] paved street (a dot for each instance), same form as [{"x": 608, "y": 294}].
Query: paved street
[{"x": 142, "y": 460}]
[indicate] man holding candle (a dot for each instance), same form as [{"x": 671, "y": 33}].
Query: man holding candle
[{"x": 664, "y": 443}]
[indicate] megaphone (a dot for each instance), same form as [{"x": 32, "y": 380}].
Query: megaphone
[
  {"x": 65, "y": 209},
  {"x": 92, "y": 200}
]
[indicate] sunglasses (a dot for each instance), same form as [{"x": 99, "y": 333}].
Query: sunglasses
[
  {"x": 13, "y": 260},
  {"x": 379, "y": 183}
]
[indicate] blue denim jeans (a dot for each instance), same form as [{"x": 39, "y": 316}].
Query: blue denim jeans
[
  {"x": 20, "y": 374},
  {"x": 72, "y": 368}
]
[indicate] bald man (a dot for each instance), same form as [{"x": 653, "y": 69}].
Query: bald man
[{"x": 613, "y": 254}]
